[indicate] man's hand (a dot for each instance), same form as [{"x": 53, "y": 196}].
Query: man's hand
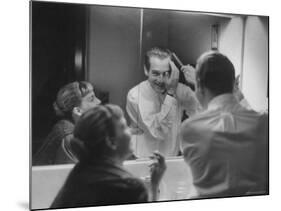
[
  {"x": 172, "y": 81},
  {"x": 189, "y": 73}
]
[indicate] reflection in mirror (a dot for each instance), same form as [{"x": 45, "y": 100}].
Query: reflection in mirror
[
  {"x": 108, "y": 49},
  {"x": 187, "y": 35},
  {"x": 154, "y": 118},
  {"x": 149, "y": 63},
  {"x": 85, "y": 43}
]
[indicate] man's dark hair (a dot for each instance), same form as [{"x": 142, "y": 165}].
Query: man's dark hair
[
  {"x": 215, "y": 72},
  {"x": 157, "y": 52}
]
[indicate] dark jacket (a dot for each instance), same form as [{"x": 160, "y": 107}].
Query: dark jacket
[
  {"x": 99, "y": 183},
  {"x": 52, "y": 151}
]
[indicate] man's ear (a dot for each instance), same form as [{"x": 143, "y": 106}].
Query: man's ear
[
  {"x": 110, "y": 143},
  {"x": 145, "y": 70}
]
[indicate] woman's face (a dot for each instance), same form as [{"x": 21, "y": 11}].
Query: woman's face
[
  {"x": 89, "y": 101},
  {"x": 123, "y": 139}
]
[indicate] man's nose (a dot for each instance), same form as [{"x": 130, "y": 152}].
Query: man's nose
[{"x": 161, "y": 78}]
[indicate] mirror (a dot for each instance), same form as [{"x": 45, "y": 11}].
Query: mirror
[{"x": 106, "y": 46}]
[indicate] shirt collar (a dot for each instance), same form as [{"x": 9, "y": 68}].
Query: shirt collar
[
  {"x": 152, "y": 91},
  {"x": 221, "y": 101}
]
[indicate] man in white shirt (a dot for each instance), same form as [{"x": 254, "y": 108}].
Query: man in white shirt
[
  {"x": 156, "y": 106},
  {"x": 226, "y": 145}
]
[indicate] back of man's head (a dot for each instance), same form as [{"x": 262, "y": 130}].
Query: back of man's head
[
  {"x": 215, "y": 72},
  {"x": 158, "y": 52}
]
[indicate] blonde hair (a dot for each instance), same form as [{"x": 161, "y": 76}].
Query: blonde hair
[
  {"x": 71, "y": 96},
  {"x": 93, "y": 127}
]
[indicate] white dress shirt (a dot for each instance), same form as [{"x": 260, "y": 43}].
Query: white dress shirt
[
  {"x": 156, "y": 118},
  {"x": 226, "y": 147}
]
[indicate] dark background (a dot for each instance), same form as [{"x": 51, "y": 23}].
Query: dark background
[{"x": 57, "y": 31}]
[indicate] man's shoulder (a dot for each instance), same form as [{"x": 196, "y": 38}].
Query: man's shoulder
[
  {"x": 198, "y": 122},
  {"x": 192, "y": 132},
  {"x": 251, "y": 113},
  {"x": 135, "y": 91}
]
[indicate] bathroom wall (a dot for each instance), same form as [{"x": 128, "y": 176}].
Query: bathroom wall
[
  {"x": 190, "y": 34},
  {"x": 255, "y": 68},
  {"x": 114, "y": 50},
  {"x": 231, "y": 41},
  {"x": 155, "y": 29}
]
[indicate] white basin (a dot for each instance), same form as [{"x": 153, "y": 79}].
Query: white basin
[{"x": 46, "y": 181}]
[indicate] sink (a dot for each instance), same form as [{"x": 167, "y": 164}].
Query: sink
[
  {"x": 175, "y": 185},
  {"x": 177, "y": 180}
]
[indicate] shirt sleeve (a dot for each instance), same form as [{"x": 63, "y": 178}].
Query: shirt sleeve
[
  {"x": 132, "y": 110},
  {"x": 51, "y": 152},
  {"x": 188, "y": 100},
  {"x": 145, "y": 117}
]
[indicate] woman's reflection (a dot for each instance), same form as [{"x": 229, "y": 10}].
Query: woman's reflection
[{"x": 72, "y": 100}]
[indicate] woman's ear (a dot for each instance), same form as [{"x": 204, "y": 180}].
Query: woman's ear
[
  {"x": 76, "y": 113},
  {"x": 110, "y": 142}
]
